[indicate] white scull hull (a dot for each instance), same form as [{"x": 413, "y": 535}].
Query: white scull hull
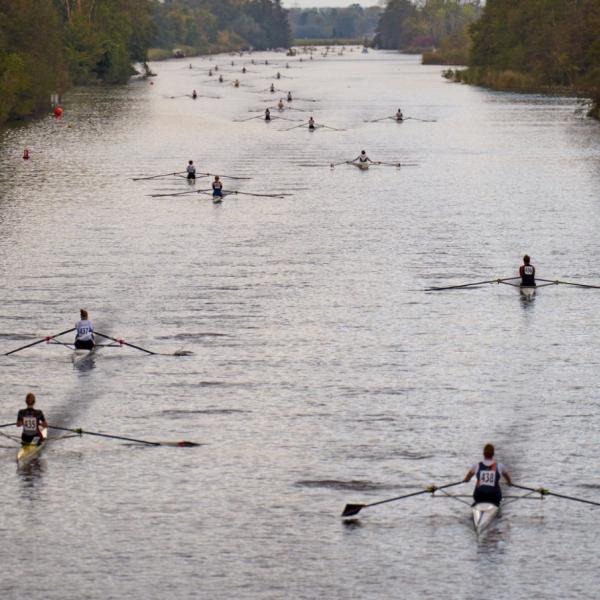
[
  {"x": 484, "y": 514},
  {"x": 528, "y": 292}
]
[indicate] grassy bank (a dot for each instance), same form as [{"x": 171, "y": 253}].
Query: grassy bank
[{"x": 516, "y": 81}]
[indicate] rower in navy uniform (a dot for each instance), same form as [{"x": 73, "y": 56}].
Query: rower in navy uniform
[
  {"x": 527, "y": 273},
  {"x": 32, "y": 421},
  {"x": 267, "y": 114},
  {"x": 399, "y": 116},
  {"x": 289, "y": 96},
  {"x": 194, "y": 94},
  {"x": 217, "y": 187},
  {"x": 488, "y": 473},
  {"x": 191, "y": 170},
  {"x": 272, "y": 89},
  {"x": 84, "y": 336},
  {"x": 311, "y": 124}
]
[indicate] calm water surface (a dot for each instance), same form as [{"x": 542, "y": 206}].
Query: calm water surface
[{"x": 322, "y": 373}]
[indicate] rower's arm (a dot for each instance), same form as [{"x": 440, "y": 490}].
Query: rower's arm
[
  {"x": 468, "y": 476},
  {"x": 507, "y": 476}
]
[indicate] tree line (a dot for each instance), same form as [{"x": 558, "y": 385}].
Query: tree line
[
  {"x": 532, "y": 44},
  {"x": 353, "y": 22},
  {"x": 47, "y": 45},
  {"x": 506, "y": 44},
  {"x": 437, "y": 28}
]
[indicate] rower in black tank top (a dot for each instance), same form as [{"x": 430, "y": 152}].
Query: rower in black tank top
[{"x": 527, "y": 272}]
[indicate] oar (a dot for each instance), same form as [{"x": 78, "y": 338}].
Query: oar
[
  {"x": 249, "y": 119},
  {"x": 583, "y": 285},
  {"x": 258, "y": 195},
  {"x": 44, "y": 339},
  {"x": 545, "y": 492},
  {"x": 7, "y": 425},
  {"x": 157, "y": 176},
  {"x": 227, "y": 176},
  {"x": 344, "y": 162},
  {"x": 388, "y": 164},
  {"x": 80, "y": 431},
  {"x": 295, "y": 127},
  {"x": 123, "y": 342},
  {"x": 464, "y": 285},
  {"x": 422, "y": 120},
  {"x": 377, "y": 120},
  {"x": 178, "y": 193},
  {"x": 353, "y": 509}
]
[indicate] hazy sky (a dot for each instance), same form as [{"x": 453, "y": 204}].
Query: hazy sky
[{"x": 323, "y": 3}]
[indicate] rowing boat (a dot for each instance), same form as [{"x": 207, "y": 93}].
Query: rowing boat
[
  {"x": 527, "y": 291},
  {"x": 484, "y": 513},
  {"x": 28, "y": 452},
  {"x": 363, "y": 166},
  {"x": 81, "y": 355}
]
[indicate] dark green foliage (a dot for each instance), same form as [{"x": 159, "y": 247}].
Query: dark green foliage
[
  {"x": 201, "y": 24},
  {"x": 553, "y": 43},
  {"x": 353, "y": 22},
  {"x": 32, "y": 64},
  {"x": 437, "y": 26}
]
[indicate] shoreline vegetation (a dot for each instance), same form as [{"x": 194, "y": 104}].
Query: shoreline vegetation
[
  {"x": 48, "y": 46},
  {"x": 527, "y": 46}
]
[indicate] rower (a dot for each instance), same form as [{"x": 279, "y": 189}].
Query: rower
[
  {"x": 191, "y": 170},
  {"x": 289, "y": 96},
  {"x": 236, "y": 83},
  {"x": 267, "y": 114},
  {"x": 210, "y": 72},
  {"x": 272, "y": 89},
  {"x": 220, "y": 78},
  {"x": 244, "y": 70},
  {"x": 32, "y": 421},
  {"x": 311, "y": 124},
  {"x": 399, "y": 116},
  {"x": 280, "y": 105},
  {"x": 362, "y": 158},
  {"x": 84, "y": 336},
  {"x": 26, "y": 154},
  {"x": 527, "y": 272},
  {"x": 217, "y": 187},
  {"x": 488, "y": 473},
  {"x": 278, "y": 75},
  {"x": 194, "y": 94},
  {"x": 216, "y": 67}
]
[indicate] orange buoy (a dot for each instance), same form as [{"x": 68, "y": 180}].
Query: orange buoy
[{"x": 58, "y": 111}]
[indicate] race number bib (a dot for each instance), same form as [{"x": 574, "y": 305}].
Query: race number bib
[
  {"x": 487, "y": 478},
  {"x": 30, "y": 424},
  {"x": 528, "y": 270}
]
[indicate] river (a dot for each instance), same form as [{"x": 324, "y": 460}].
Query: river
[{"x": 321, "y": 371}]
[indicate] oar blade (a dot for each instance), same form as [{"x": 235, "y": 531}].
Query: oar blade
[{"x": 352, "y": 509}]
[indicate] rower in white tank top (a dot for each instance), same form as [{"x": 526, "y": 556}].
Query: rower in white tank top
[{"x": 84, "y": 336}]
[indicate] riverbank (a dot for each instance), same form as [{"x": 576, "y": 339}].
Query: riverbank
[{"x": 516, "y": 81}]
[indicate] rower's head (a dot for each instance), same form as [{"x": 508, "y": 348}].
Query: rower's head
[
  {"x": 216, "y": 178},
  {"x": 526, "y": 259},
  {"x": 30, "y": 399},
  {"x": 83, "y": 314},
  {"x": 362, "y": 152},
  {"x": 190, "y": 162},
  {"x": 488, "y": 451}
]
